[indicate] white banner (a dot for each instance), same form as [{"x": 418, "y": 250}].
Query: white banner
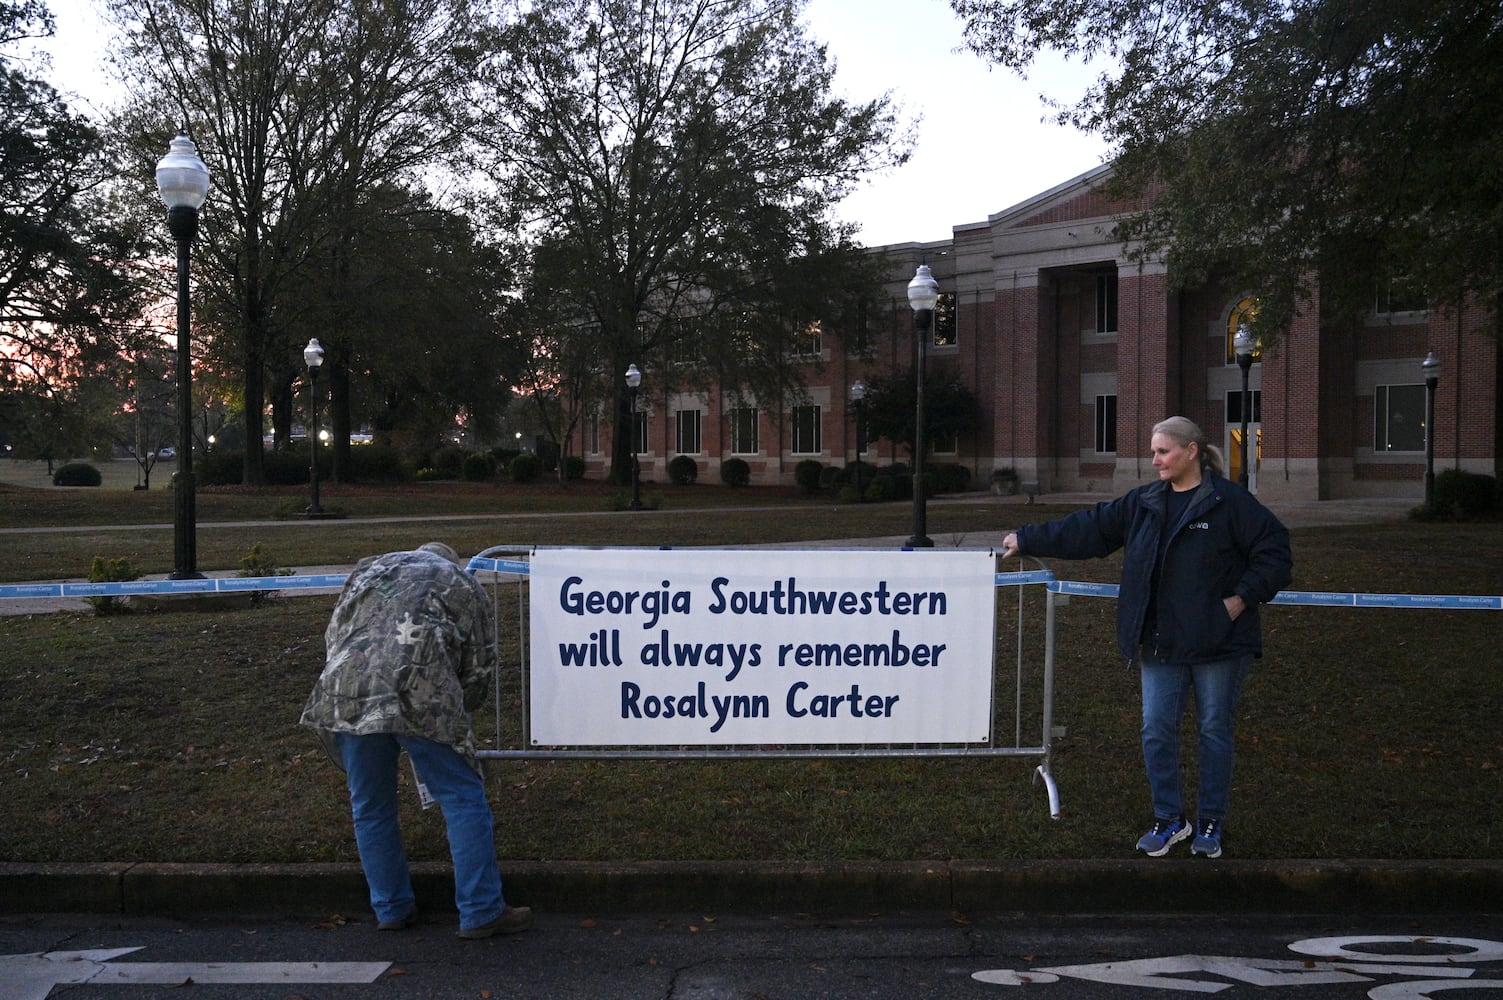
[{"x": 694, "y": 647}]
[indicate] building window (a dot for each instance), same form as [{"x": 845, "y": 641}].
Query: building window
[
  {"x": 1234, "y": 407},
  {"x": 1399, "y": 294},
  {"x": 945, "y": 329},
  {"x": 1399, "y": 418},
  {"x": 592, "y": 434},
  {"x": 808, "y": 341},
  {"x": 806, "y": 437},
  {"x": 639, "y": 432},
  {"x": 744, "y": 430},
  {"x": 1106, "y": 303},
  {"x": 860, "y": 334},
  {"x": 945, "y": 443},
  {"x": 686, "y": 346},
  {"x": 688, "y": 431},
  {"x": 1106, "y": 424}
]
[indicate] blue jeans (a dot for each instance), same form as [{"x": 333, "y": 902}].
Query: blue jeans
[
  {"x": 1166, "y": 690},
  {"x": 370, "y": 764}
]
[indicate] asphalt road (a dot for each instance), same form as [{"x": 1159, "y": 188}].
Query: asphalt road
[{"x": 704, "y": 957}]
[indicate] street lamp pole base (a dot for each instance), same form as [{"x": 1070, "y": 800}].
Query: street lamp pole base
[{"x": 919, "y": 542}]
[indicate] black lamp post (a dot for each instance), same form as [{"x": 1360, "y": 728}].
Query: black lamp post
[
  {"x": 183, "y": 183},
  {"x": 858, "y": 399},
  {"x": 923, "y": 295},
  {"x": 313, "y": 357},
  {"x": 1243, "y": 345},
  {"x": 633, "y": 383},
  {"x": 1431, "y": 367}
]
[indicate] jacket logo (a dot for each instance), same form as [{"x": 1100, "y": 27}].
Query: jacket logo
[{"x": 1198, "y": 526}]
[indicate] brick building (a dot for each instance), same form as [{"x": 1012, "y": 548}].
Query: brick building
[{"x": 1075, "y": 351}]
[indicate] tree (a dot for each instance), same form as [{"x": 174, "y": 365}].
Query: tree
[
  {"x": 426, "y": 320},
  {"x": 1356, "y": 139},
  {"x": 950, "y": 409},
  {"x": 675, "y": 156},
  {"x": 64, "y": 293},
  {"x": 301, "y": 108}
]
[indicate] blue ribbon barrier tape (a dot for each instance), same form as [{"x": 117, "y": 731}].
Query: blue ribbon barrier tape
[{"x": 520, "y": 567}]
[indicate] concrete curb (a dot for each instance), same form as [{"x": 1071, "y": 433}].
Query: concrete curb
[{"x": 1056, "y": 887}]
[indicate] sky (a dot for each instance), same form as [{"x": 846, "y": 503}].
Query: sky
[{"x": 982, "y": 142}]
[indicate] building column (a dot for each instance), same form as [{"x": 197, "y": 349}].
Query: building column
[
  {"x": 1307, "y": 408},
  {"x": 1148, "y": 367},
  {"x": 1023, "y": 391}
]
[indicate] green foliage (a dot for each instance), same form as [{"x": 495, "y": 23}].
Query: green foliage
[
  {"x": 682, "y": 470},
  {"x": 376, "y": 463},
  {"x": 524, "y": 468},
  {"x": 220, "y": 467},
  {"x": 949, "y": 477},
  {"x": 738, "y": 149},
  {"x": 1461, "y": 495},
  {"x": 287, "y": 468},
  {"x": 118, "y": 570},
  {"x": 1253, "y": 128},
  {"x": 448, "y": 461},
  {"x": 479, "y": 467},
  {"x": 77, "y": 474},
  {"x": 950, "y": 408},
  {"x": 574, "y": 468},
  {"x": 259, "y": 562},
  {"x": 735, "y": 472},
  {"x": 806, "y": 475},
  {"x": 882, "y": 488}
]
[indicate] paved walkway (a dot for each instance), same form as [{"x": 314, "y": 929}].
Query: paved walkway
[{"x": 1294, "y": 514}]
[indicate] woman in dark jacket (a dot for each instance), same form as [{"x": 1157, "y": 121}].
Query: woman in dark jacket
[{"x": 1200, "y": 554}]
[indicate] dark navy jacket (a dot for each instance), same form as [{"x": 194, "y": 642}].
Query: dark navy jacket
[{"x": 1226, "y": 543}]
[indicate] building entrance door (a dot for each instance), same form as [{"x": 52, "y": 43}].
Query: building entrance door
[{"x": 1234, "y": 454}]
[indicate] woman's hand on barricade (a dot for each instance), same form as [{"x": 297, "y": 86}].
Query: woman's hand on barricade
[{"x": 1010, "y": 545}]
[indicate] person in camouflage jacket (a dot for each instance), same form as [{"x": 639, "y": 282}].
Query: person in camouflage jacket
[{"x": 411, "y": 652}]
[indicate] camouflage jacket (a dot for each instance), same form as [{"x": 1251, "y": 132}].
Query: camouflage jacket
[{"x": 411, "y": 649}]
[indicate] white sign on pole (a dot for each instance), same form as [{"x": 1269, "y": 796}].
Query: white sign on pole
[{"x": 696, "y": 647}]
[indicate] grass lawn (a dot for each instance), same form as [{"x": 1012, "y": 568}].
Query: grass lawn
[{"x": 172, "y": 736}]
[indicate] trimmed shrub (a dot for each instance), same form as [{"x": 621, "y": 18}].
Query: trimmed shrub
[
  {"x": 901, "y": 478},
  {"x": 376, "y": 463},
  {"x": 735, "y": 472},
  {"x": 286, "y": 468},
  {"x": 948, "y": 478},
  {"x": 682, "y": 470},
  {"x": 259, "y": 562},
  {"x": 448, "y": 460},
  {"x": 524, "y": 468},
  {"x": 479, "y": 467},
  {"x": 806, "y": 475},
  {"x": 220, "y": 467},
  {"x": 1464, "y": 494},
  {"x": 830, "y": 478},
  {"x": 103, "y": 570},
  {"x": 881, "y": 489},
  {"x": 574, "y": 467},
  {"x": 77, "y": 474}
]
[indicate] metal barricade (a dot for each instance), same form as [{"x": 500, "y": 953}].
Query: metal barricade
[{"x": 1022, "y": 696}]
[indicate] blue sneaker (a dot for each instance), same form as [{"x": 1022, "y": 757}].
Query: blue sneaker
[
  {"x": 1164, "y": 835},
  {"x": 1207, "y": 842}
]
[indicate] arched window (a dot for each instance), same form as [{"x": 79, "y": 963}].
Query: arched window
[{"x": 1242, "y": 312}]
